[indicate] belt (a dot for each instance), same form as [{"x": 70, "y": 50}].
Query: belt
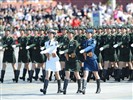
[
  {"x": 90, "y": 54},
  {"x": 72, "y": 55}
]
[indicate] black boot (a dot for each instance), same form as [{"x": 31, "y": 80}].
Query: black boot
[
  {"x": 37, "y": 70},
  {"x": 43, "y": 76},
  {"x": 59, "y": 86},
  {"x": 84, "y": 84},
  {"x": 50, "y": 78},
  {"x": 131, "y": 75},
  {"x": 127, "y": 71},
  {"x": 31, "y": 72},
  {"x": 100, "y": 73},
  {"x": 2, "y": 76},
  {"x": 118, "y": 75},
  {"x": 44, "y": 90},
  {"x": 79, "y": 86},
  {"x": 16, "y": 75},
  {"x": 98, "y": 86},
  {"x": 104, "y": 75},
  {"x": 24, "y": 74},
  {"x": 123, "y": 73},
  {"x": 65, "y": 86}
]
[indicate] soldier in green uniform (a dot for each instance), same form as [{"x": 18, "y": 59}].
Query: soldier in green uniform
[
  {"x": 72, "y": 62},
  {"x": 63, "y": 40},
  {"x": 124, "y": 53},
  {"x": 80, "y": 38},
  {"x": 131, "y": 48},
  {"x": 8, "y": 56},
  {"x": 23, "y": 55},
  {"x": 97, "y": 35},
  {"x": 45, "y": 38},
  {"x": 36, "y": 56}
]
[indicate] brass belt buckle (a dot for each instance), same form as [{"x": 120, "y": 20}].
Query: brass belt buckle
[
  {"x": 34, "y": 47},
  {"x": 20, "y": 47},
  {"x": 6, "y": 48}
]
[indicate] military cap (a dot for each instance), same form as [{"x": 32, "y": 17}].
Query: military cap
[
  {"x": 71, "y": 31},
  {"x": 52, "y": 31},
  {"x": 7, "y": 29},
  {"x": 90, "y": 31},
  {"x": 55, "y": 28}
]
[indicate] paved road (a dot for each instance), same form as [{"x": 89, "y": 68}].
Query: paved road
[{"x": 26, "y": 91}]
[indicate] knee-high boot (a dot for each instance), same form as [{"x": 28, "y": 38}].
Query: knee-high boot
[
  {"x": 2, "y": 76},
  {"x": 65, "y": 86},
  {"x": 24, "y": 74},
  {"x": 84, "y": 84},
  {"x": 31, "y": 72},
  {"x": 44, "y": 90},
  {"x": 79, "y": 86},
  {"x": 98, "y": 86},
  {"x": 37, "y": 70},
  {"x": 59, "y": 86}
]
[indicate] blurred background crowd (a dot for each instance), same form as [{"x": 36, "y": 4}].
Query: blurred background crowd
[{"x": 63, "y": 14}]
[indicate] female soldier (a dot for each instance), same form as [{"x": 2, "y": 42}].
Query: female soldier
[
  {"x": 90, "y": 63},
  {"x": 23, "y": 55},
  {"x": 72, "y": 62},
  {"x": 8, "y": 56},
  {"x": 52, "y": 63}
]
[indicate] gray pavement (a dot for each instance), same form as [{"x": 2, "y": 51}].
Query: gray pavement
[{"x": 26, "y": 91}]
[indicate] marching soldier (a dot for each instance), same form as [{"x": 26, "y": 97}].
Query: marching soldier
[
  {"x": 131, "y": 48},
  {"x": 23, "y": 55},
  {"x": 52, "y": 62},
  {"x": 64, "y": 40},
  {"x": 90, "y": 63},
  {"x": 8, "y": 56},
  {"x": 38, "y": 59},
  {"x": 72, "y": 62}
]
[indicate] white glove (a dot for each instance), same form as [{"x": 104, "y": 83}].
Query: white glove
[
  {"x": 132, "y": 45},
  {"x": 43, "y": 52},
  {"x": 0, "y": 37},
  {"x": 42, "y": 48},
  {"x": 82, "y": 51},
  {"x": 101, "y": 49},
  {"x": 14, "y": 46},
  {"x": 115, "y": 46},
  {"x": 27, "y": 47},
  {"x": 61, "y": 52},
  {"x": 1, "y": 47}
]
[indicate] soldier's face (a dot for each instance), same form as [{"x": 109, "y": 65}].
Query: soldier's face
[
  {"x": 70, "y": 35},
  {"x": 88, "y": 35},
  {"x": 50, "y": 35}
]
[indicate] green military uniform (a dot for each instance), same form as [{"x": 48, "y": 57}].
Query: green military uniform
[
  {"x": 124, "y": 51},
  {"x": 9, "y": 55},
  {"x": 72, "y": 64},
  {"x": 36, "y": 56},
  {"x": 23, "y": 52},
  {"x": 64, "y": 41}
]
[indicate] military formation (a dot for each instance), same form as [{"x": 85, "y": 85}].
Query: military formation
[{"x": 66, "y": 53}]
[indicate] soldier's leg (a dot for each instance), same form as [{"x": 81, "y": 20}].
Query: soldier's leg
[
  {"x": 119, "y": 73},
  {"x": 67, "y": 76},
  {"x": 37, "y": 70},
  {"x": 100, "y": 72},
  {"x": 84, "y": 83},
  {"x": 58, "y": 81},
  {"x": 105, "y": 70},
  {"x": 130, "y": 72},
  {"x": 46, "y": 81},
  {"x": 16, "y": 73},
  {"x": 62, "y": 72},
  {"x": 98, "y": 90},
  {"x": 43, "y": 72},
  {"x": 31, "y": 72},
  {"x": 26, "y": 67},
  {"x": 78, "y": 81},
  {"x": 3, "y": 72}
]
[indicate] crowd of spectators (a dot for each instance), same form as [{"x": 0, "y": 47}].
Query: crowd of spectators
[{"x": 63, "y": 15}]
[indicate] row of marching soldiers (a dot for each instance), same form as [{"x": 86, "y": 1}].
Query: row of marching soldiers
[{"x": 114, "y": 50}]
